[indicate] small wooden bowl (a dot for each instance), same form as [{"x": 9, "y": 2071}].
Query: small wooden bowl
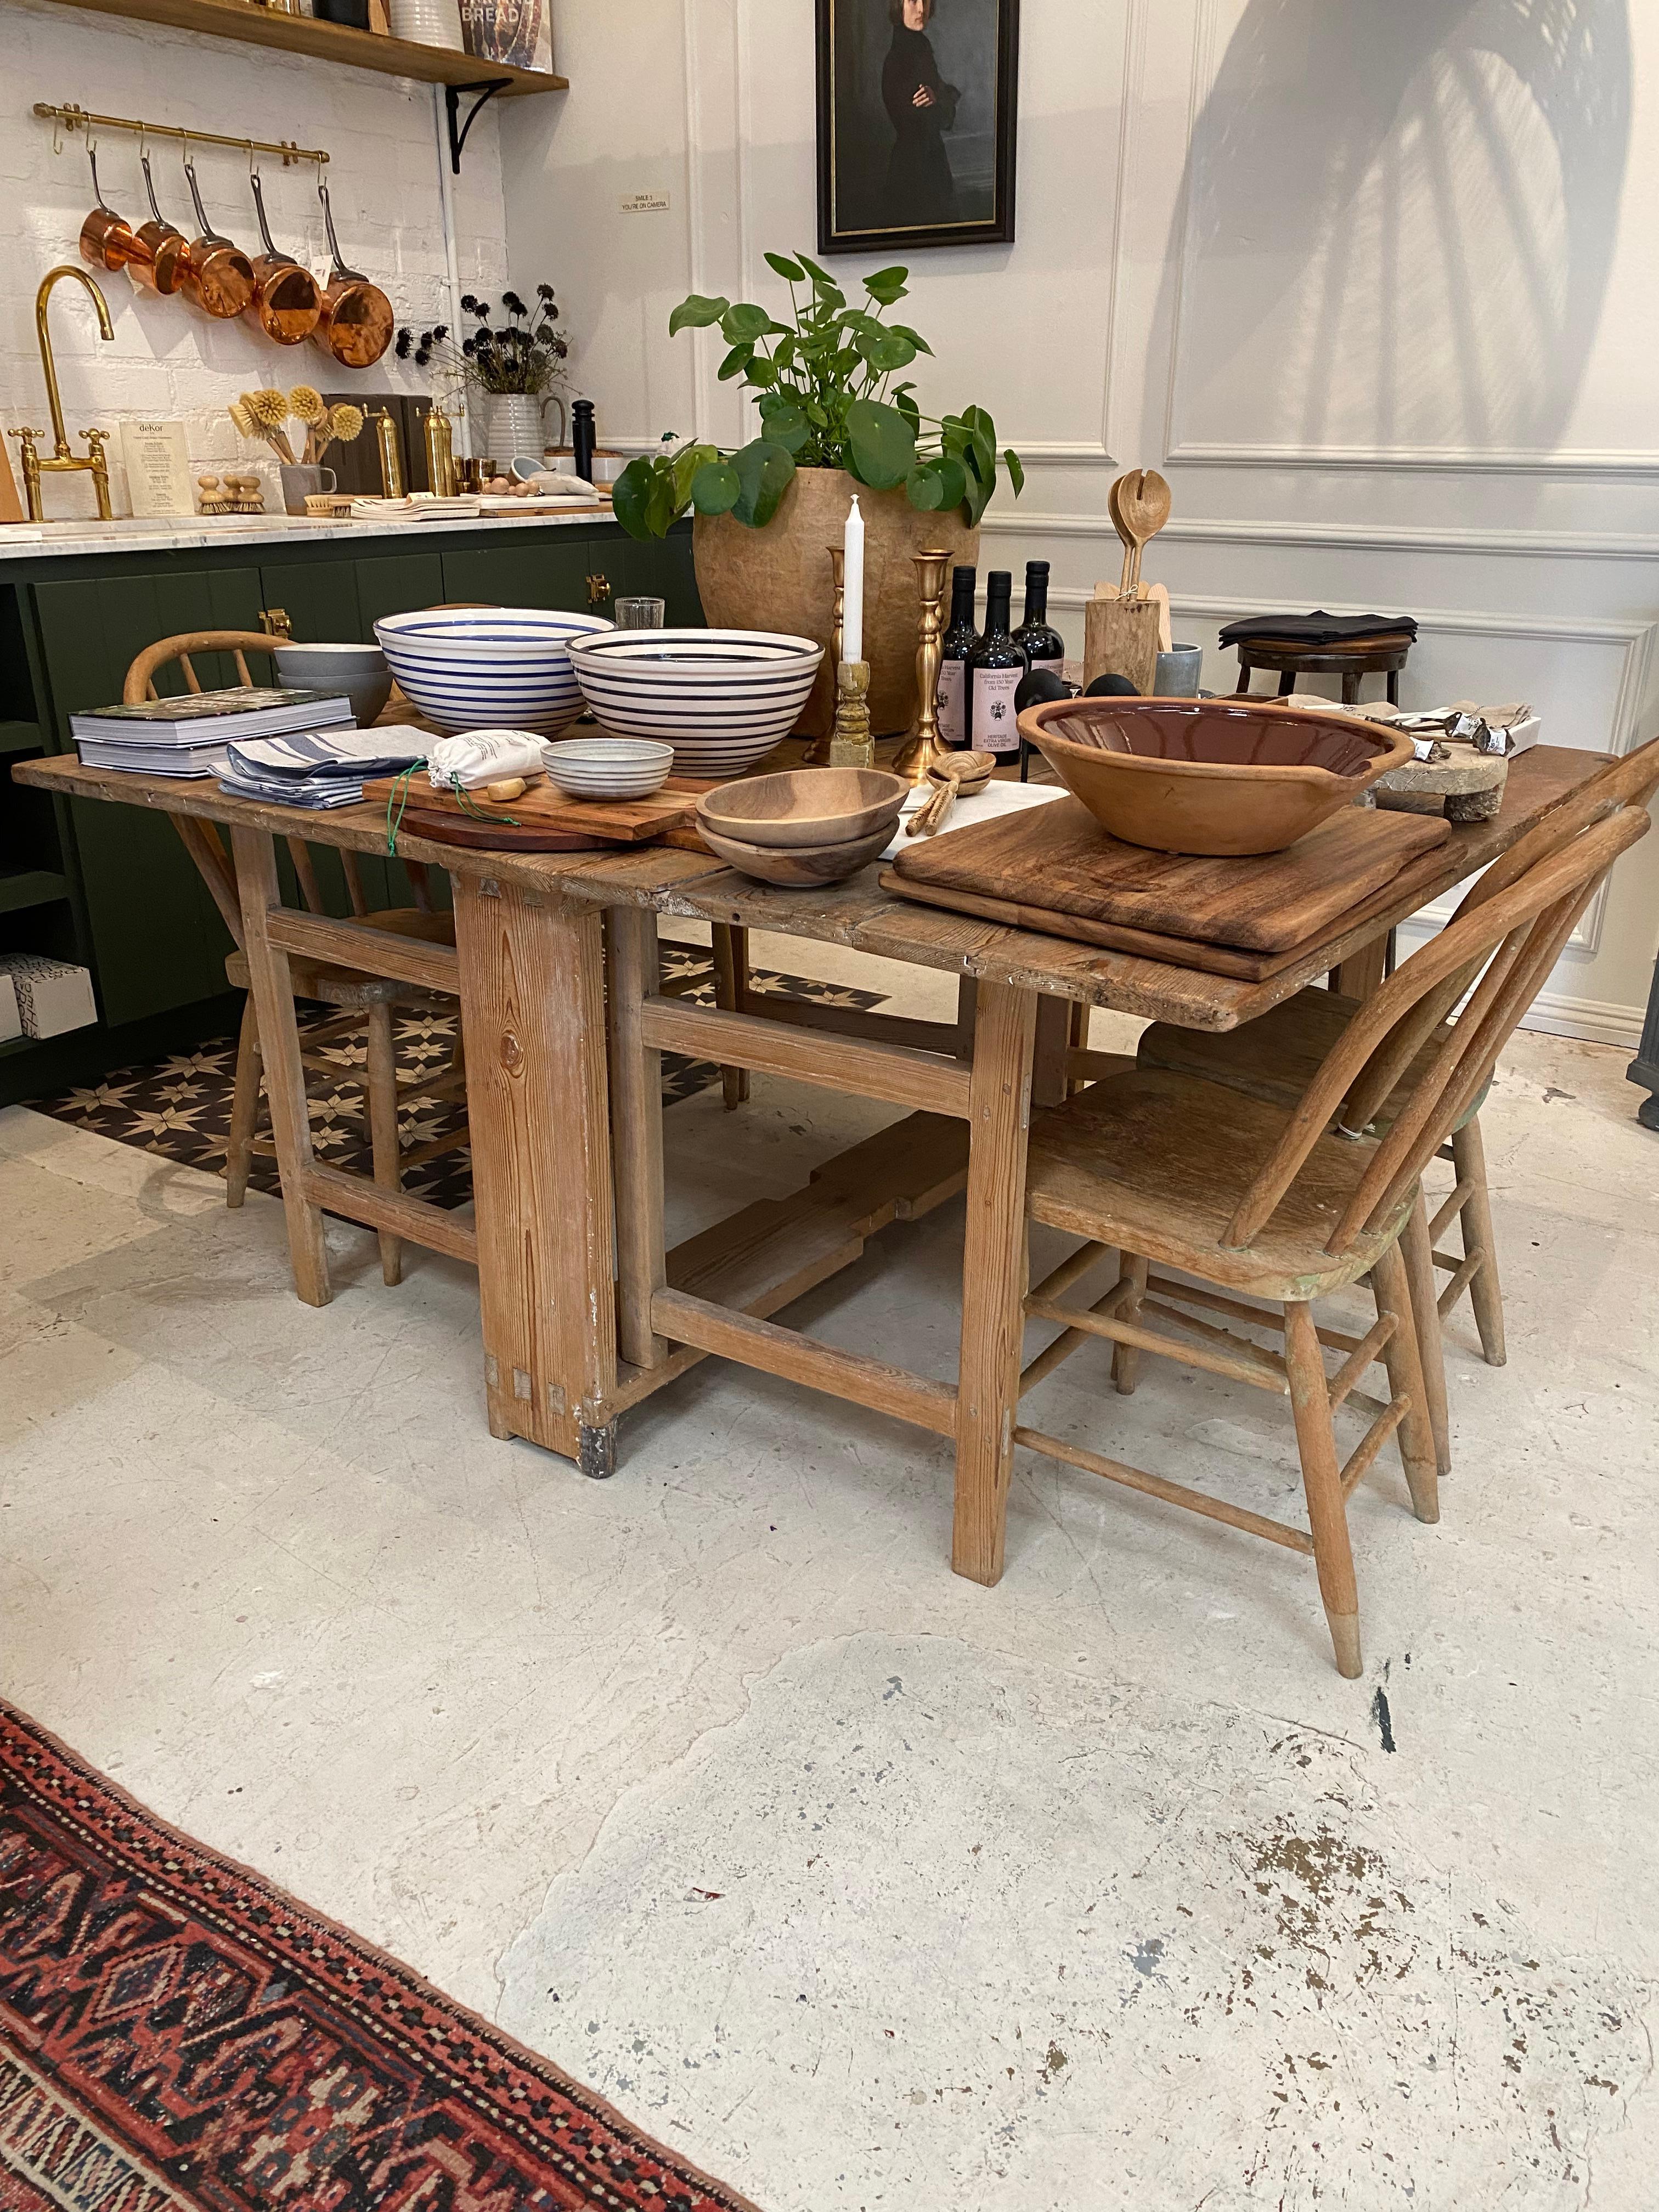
[
  {"x": 799, "y": 867},
  {"x": 804, "y": 807},
  {"x": 1210, "y": 776}
]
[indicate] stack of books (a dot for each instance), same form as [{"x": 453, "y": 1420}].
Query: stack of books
[{"x": 190, "y": 735}]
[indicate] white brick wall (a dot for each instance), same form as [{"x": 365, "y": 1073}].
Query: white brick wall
[{"x": 167, "y": 360}]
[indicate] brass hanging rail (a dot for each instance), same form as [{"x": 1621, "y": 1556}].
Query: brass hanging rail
[{"x": 75, "y": 118}]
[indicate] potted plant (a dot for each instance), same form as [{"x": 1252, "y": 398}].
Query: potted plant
[
  {"x": 513, "y": 366},
  {"x": 833, "y": 422}
]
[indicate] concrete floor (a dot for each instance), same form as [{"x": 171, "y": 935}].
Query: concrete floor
[{"x": 865, "y": 1885}]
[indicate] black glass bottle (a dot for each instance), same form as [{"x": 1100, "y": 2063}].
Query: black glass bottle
[
  {"x": 1044, "y": 647},
  {"x": 958, "y": 641},
  {"x": 994, "y": 669}
]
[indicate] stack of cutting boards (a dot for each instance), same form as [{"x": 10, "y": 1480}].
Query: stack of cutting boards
[
  {"x": 541, "y": 819},
  {"x": 1054, "y": 869}
]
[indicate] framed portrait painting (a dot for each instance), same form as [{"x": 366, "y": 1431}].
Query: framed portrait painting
[{"x": 916, "y": 116}]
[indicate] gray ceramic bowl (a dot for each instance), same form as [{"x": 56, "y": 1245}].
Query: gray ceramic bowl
[{"x": 359, "y": 671}]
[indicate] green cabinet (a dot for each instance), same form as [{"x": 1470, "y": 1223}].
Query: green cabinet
[{"x": 70, "y": 627}]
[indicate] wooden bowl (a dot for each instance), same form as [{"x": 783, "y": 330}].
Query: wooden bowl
[
  {"x": 804, "y": 807},
  {"x": 800, "y": 865},
  {"x": 1210, "y": 776}
]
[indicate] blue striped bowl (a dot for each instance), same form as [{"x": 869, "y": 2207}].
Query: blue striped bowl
[
  {"x": 722, "y": 698},
  {"x": 469, "y": 668}
]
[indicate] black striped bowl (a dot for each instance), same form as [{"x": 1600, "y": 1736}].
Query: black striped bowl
[{"x": 722, "y": 698}]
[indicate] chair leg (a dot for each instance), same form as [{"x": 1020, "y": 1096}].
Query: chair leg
[
  {"x": 731, "y": 946},
  {"x": 380, "y": 1085},
  {"x": 244, "y": 1106},
  {"x": 1328, "y": 1513},
  {"x": 1470, "y": 1159},
  {"x": 1425, "y": 1309},
  {"x": 1403, "y": 1360},
  {"x": 1126, "y": 1358}
]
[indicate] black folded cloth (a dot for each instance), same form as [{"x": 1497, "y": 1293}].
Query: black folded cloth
[{"x": 1318, "y": 629}]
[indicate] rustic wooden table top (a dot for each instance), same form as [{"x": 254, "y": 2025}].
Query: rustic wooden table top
[{"x": 860, "y": 913}]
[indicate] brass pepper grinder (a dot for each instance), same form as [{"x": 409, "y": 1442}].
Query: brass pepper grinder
[
  {"x": 916, "y": 757},
  {"x": 440, "y": 476},
  {"x": 391, "y": 460},
  {"x": 818, "y": 753}
]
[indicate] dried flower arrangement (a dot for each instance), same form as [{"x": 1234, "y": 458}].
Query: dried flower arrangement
[
  {"x": 526, "y": 352},
  {"x": 264, "y": 415}
]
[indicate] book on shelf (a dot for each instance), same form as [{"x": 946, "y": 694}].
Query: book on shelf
[{"x": 256, "y": 712}]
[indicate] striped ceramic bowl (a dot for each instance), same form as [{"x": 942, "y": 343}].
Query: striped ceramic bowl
[
  {"x": 607, "y": 768},
  {"x": 722, "y": 698},
  {"x": 469, "y": 668}
]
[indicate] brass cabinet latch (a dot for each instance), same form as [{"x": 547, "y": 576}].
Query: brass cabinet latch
[
  {"x": 274, "y": 622},
  {"x": 598, "y": 587}
]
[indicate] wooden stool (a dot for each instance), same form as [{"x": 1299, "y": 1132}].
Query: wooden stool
[{"x": 1292, "y": 661}]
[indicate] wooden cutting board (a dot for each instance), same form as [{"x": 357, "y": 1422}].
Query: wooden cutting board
[
  {"x": 1059, "y": 861},
  {"x": 542, "y": 821}
]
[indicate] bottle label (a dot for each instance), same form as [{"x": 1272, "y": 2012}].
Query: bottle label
[
  {"x": 948, "y": 704},
  {"x": 995, "y": 724},
  {"x": 1056, "y": 666}
]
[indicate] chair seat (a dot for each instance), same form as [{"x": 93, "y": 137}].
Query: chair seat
[
  {"x": 1155, "y": 1163},
  {"x": 1276, "y": 1056},
  {"x": 350, "y": 986}
]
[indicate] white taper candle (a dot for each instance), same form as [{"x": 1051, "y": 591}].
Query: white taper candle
[{"x": 852, "y": 616}]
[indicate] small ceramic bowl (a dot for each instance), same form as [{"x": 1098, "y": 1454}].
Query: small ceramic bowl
[
  {"x": 358, "y": 671},
  {"x": 801, "y": 865},
  {"x": 1210, "y": 776},
  {"x": 608, "y": 767},
  {"x": 804, "y": 807}
]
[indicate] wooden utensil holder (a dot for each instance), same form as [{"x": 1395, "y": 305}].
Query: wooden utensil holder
[{"x": 1121, "y": 638}]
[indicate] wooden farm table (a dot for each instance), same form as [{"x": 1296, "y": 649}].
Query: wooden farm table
[{"x": 565, "y": 1219}]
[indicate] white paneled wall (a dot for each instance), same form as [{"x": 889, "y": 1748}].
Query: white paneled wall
[
  {"x": 168, "y": 361},
  {"x": 1371, "y": 285}
]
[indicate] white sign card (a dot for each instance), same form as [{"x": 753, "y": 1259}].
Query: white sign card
[{"x": 157, "y": 464}]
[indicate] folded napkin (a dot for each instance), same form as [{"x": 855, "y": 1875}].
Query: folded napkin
[
  {"x": 1318, "y": 629},
  {"x": 316, "y": 768}
]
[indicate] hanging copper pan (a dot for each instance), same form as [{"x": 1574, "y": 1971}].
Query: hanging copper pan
[
  {"x": 287, "y": 299},
  {"x": 218, "y": 277},
  {"x": 161, "y": 254},
  {"x": 355, "y": 322},
  {"x": 107, "y": 240}
]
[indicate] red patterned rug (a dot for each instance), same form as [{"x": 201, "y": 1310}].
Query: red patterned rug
[{"x": 177, "y": 2036}]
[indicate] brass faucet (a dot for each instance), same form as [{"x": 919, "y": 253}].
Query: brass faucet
[{"x": 62, "y": 456}]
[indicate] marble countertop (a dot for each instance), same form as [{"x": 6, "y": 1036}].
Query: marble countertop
[{"x": 36, "y": 540}]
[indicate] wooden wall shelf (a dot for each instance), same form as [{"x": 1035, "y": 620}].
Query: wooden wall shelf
[{"x": 333, "y": 42}]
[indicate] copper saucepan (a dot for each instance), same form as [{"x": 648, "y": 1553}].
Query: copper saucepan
[
  {"x": 287, "y": 300},
  {"x": 355, "y": 322},
  {"x": 107, "y": 240},
  {"x": 161, "y": 255},
  {"x": 218, "y": 276}
]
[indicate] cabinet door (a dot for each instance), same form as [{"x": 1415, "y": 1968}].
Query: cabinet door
[
  {"x": 157, "y": 940},
  {"x": 339, "y": 601},
  {"x": 534, "y": 572}
]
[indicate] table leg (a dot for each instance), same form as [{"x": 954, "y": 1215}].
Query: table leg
[
  {"x": 533, "y": 1013},
  {"x": 272, "y": 991},
  {"x": 993, "y": 1276},
  {"x": 1362, "y": 972},
  {"x": 636, "y": 1132},
  {"x": 1049, "y": 1078}
]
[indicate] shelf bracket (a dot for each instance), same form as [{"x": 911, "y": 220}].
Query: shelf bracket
[{"x": 485, "y": 88}]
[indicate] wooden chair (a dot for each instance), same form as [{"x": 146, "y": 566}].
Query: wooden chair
[
  {"x": 1289, "y": 1203},
  {"x": 1279, "y": 1055},
  {"x": 364, "y": 1002}
]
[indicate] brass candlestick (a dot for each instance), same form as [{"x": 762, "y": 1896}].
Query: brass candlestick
[
  {"x": 850, "y": 742},
  {"x": 818, "y": 753},
  {"x": 920, "y": 752}
]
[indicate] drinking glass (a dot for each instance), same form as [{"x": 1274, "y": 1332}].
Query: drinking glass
[{"x": 639, "y": 614}]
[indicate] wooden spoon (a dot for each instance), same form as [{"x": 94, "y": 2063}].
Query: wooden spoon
[
  {"x": 1129, "y": 547},
  {"x": 959, "y": 775},
  {"x": 1143, "y": 500}
]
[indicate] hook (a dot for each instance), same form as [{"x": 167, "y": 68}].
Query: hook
[{"x": 56, "y": 130}]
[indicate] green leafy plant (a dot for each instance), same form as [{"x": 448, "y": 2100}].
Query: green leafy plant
[{"x": 827, "y": 399}]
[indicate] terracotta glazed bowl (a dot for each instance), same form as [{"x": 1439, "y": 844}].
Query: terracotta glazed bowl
[
  {"x": 1210, "y": 776},
  {"x": 804, "y": 807}
]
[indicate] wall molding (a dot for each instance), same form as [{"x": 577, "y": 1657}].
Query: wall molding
[
  {"x": 1358, "y": 536},
  {"x": 1593, "y": 1021},
  {"x": 1449, "y": 461}
]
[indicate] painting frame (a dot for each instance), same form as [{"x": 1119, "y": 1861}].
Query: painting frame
[{"x": 844, "y": 193}]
